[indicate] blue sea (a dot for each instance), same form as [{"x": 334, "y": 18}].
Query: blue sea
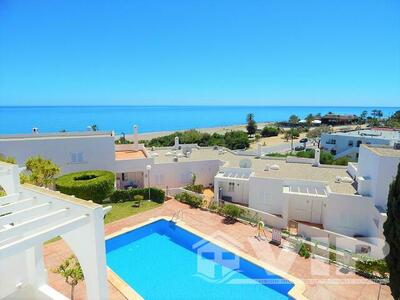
[{"x": 21, "y": 119}]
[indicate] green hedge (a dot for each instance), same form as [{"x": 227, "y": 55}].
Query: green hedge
[
  {"x": 197, "y": 188},
  {"x": 156, "y": 195},
  {"x": 93, "y": 185},
  {"x": 192, "y": 200}
]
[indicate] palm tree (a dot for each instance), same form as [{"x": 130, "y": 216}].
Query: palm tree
[
  {"x": 250, "y": 117},
  {"x": 251, "y": 124},
  {"x": 94, "y": 127}
]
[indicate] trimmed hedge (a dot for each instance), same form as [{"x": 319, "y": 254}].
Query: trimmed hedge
[
  {"x": 156, "y": 195},
  {"x": 93, "y": 185}
]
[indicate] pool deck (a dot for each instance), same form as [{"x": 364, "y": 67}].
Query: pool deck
[{"x": 240, "y": 236}]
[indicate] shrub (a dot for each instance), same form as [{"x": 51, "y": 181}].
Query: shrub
[
  {"x": 305, "y": 251},
  {"x": 342, "y": 161},
  {"x": 277, "y": 154},
  {"x": 197, "y": 188},
  {"x": 138, "y": 198},
  {"x": 236, "y": 140},
  {"x": 371, "y": 266},
  {"x": 8, "y": 159},
  {"x": 40, "y": 171},
  {"x": 156, "y": 195},
  {"x": 192, "y": 200},
  {"x": 231, "y": 212},
  {"x": 269, "y": 131},
  {"x": 93, "y": 185}
]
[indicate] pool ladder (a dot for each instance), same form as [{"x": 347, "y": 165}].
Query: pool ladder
[{"x": 177, "y": 215}]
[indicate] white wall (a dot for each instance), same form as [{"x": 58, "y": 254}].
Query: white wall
[
  {"x": 349, "y": 214},
  {"x": 240, "y": 193},
  {"x": 265, "y": 194},
  {"x": 381, "y": 171},
  {"x": 95, "y": 152},
  {"x": 178, "y": 174}
]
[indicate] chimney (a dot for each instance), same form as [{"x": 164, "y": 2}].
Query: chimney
[
  {"x": 135, "y": 138},
  {"x": 317, "y": 157}
]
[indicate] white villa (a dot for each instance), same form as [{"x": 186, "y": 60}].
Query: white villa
[
  {"x": 337, "y": 205},
  {"x": 348, "y": 143},
  {"x": 29, "y": 216}
]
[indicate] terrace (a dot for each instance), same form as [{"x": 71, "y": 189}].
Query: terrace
[
  {"x": 322, "y": 285},
  {"x": 129, "y": 154},
  {"x": 284, "y": 170}
]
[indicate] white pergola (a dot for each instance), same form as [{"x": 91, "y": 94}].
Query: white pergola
[{"x": 29, "y": 216}]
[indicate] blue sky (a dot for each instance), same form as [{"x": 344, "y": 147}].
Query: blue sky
[{"x": 180, "y": 52}]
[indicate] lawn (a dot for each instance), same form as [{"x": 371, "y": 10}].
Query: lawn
[
  {"x": 126, "y": 209},
  {"x": 120, "y": 211}
]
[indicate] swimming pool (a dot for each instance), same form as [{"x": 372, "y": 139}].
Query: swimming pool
[{"x": 162, "y": 260}]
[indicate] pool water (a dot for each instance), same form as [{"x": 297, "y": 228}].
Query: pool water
[{"x": 164, "y": 261}]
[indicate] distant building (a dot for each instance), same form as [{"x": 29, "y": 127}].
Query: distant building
[
  {"x": 334, "y": 119},
  {"x": 347, "y": 143}
]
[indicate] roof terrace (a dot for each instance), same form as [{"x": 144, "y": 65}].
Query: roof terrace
[{"x": 263, "y": 167}]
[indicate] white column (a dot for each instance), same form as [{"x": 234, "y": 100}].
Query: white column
[
  {"x": 285, "y": 209},
  {"x": 317, "y": 157},
  {"x": 88, "y": 245},
  {"x": 135, "y": 138},
  {"x": 216, "y": 190},
  {"x": 259, "y": 150},
  {"x": 176, "y": 145},
  {"x": 37, "y": 275}
]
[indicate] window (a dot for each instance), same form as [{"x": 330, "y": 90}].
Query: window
[
  {"x": 350, "y": 143},
  {"x": 331, "y": 142},
  {"x": 77, "y": 157},
  {"x": 231, "y": 187}
]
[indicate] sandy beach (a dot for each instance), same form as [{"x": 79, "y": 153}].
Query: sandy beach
[
  {"x": 220, "y": 130},
  {"x": 270, "y": 141}
]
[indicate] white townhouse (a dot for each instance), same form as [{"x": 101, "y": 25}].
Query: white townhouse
[
  {"x": 327, "y": 202},
  {"x": 339, "y": 205},
  {"x": 71, "y": 151},
  {"x": 348, "y": 143}
]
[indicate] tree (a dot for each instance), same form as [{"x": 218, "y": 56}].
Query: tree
[
  {"x": 316, "y": 132},
  {"x": 363, "y": 117},
  {"x": 309, "y": 119},
  {"x": 294, "y": 120},
  {"x": 251, "y": 124},
  {"x": 194, "y": 177},
  {"x": 94, "y": 127},
  {"x": 394, "y": 120},
  {"x": 41, "y": 171},
  {"x": 377, "y": 113},
  {"x": 391, "y": 230},
  {"x": 236, "y": 140},
  {"x": 71, "y": 270}
]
